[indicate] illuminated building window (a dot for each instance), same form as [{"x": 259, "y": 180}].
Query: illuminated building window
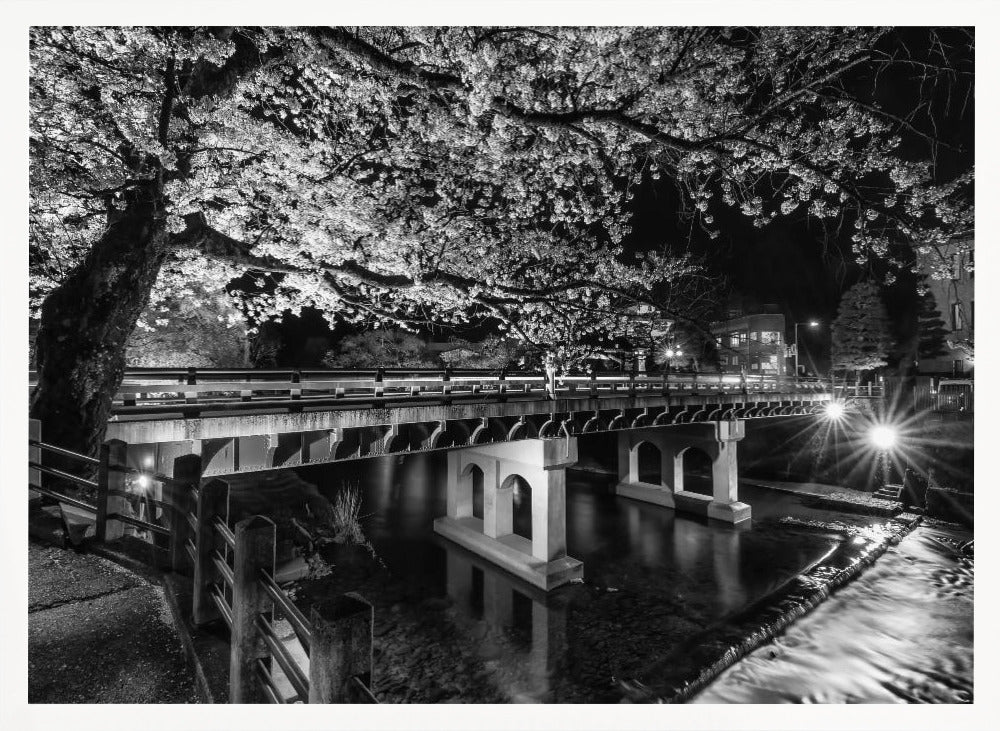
[{"x": 770, "y": 338}]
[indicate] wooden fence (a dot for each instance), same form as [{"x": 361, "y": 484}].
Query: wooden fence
[{"x": 232, "y": 569}]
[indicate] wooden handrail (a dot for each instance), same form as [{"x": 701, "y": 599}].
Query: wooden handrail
[{"x": 288, "y": 609}]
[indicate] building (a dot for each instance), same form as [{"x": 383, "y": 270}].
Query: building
[
  {"x": 951, "y": 278},
  {"x": 752, "y": 341}
]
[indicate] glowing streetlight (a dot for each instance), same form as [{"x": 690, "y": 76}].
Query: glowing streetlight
[
  {"x": 883, "y": 437},
  {"x": 143, "y": 482},
  {"x": 834, "y": 410}
]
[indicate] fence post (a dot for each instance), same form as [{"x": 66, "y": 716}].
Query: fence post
[
  {"x": 213, "y": 499},
  {"x": 180, "y": 499},
  {"x": 110, "y": 479},
  {"x": 34, "y": 453},
  {"x": 341, "y": 648},
  {"x": 254, "y": 551}
]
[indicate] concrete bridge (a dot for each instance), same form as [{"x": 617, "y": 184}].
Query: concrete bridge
[{"x": 508, "y": 427}]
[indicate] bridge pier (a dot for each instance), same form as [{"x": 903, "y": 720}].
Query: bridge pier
[
  {"x": 717, "y": 439},
  {"x": 542, "y": 560}
]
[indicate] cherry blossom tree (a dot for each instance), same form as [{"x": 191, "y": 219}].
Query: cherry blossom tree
[{"x": 410, "y": 175}]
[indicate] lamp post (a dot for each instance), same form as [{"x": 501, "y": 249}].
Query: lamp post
[{"x": 810, "y": 323}]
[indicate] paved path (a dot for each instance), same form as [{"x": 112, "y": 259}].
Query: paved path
[{"x": 98, "y": 633}]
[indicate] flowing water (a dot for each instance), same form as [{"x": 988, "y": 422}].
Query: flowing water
[
  {"x": 901, "y": 633},
  {"x": 451, "y": 627}
]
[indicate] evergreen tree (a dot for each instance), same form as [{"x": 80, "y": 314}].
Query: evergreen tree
[
  {"x": 931, "y": 332},
  {"x": 861, "y": 334}
]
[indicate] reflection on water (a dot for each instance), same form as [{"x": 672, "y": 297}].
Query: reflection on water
[
  {"x": 653, "y": 580},
  {"x": 901, "y": 633}
]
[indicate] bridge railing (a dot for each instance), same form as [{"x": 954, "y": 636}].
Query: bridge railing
[
  {"x": 234, "y": 580},
  {"x": 151, "y": 391}
]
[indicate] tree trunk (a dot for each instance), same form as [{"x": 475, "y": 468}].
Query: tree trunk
[{"x": 86, "y": 323}]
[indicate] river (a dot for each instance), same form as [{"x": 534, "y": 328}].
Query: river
[{"x": 450, "y": 627}]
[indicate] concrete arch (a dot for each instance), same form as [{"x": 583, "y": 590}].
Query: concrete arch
[
  {"x": 480, "y": 435},
  {"x": 682, "y": 461},
  {"x": 662, "y": 418},
  {"x": 593, "y": 424},
  {"x": 682, "y": 417},
  {"x": 618, "y": 422},
  {"x": 522, "y": 430},
  {"x": 396, "y": 443},
  {"x": 440, "y": 437},
  {"x": 549, "y": 429},
  {"x": 641, "y": 420}
]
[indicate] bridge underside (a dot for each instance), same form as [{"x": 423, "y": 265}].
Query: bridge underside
[{"x": 254, "y": 442}]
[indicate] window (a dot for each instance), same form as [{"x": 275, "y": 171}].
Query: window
[
  {"x": 737, "y": 338},
  {"x": 954, "y": 265},
  {"x": 755, "y": 365},
  {"x": 956, "y": 316},
  {"x": 770, "y": 337},
  {"x": 771, "y": 364},
  {"x": 972, "y": 265}
]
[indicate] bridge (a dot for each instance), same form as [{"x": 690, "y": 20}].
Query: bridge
[{"x": 503, "y": 425}]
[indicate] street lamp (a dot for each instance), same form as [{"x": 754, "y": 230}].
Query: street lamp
[
  {"x": 672, "y": 352},
  {"x": 810, "y": 323}
]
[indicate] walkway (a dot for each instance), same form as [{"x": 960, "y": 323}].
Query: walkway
[{"x": 98, "y": 633}]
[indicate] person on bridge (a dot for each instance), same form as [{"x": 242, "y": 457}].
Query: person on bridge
[{"x": 550, "y": 376}]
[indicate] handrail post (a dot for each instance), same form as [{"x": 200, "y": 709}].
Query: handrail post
[
  {"x": 110, "y": 479},
  {"x": 341, "y": 648},
  {"x": 34, "y": 453},
  {"x": 502, "y": 385},
  {"x": 254, "y": 550},
  {"x": 379, "y": 387},
  {"x": 446, "y": 384},
  {"x": 295, "y": 393},
  {"x": 213, "y": 499},
  {"x": 178, "y": 495}
]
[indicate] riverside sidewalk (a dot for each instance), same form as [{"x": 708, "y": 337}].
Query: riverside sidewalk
[{"x": 99, "y": 633}]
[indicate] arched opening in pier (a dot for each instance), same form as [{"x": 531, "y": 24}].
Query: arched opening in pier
[
  {"x": 522, "y": 504},
  {"x": 697, "y": 471},
  {"x": 648, "y": 458}
]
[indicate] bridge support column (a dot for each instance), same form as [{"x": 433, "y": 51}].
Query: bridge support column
[
  {"x": 541, "y": 561},
  {"x": 717, "y": 439}
]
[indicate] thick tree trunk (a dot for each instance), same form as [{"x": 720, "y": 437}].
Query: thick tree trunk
[{"x": 86, "y": 323}]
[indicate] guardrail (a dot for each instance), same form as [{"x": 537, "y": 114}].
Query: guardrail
[
  {"x": 234, "y": 581},
  {"x": 190, "y": 391}
]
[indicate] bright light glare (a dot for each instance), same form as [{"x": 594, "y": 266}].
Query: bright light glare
[
  {"x": 834, "y": 410},
  {"x": 143, "y": 482},
  {"x": 883, "y": 437},
  {"x": 813, "y": 323}
]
